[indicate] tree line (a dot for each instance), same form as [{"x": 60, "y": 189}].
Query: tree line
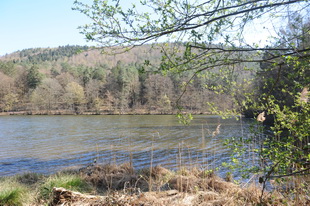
[{"x": 62, "y": 79}]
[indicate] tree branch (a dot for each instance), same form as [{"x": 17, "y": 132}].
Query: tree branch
[
  {"x": 291, "y": 174},
  {"x": 179, "y": 28}
]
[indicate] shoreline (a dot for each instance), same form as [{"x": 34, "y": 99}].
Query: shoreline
[
  {"x": 112, "y": 184},
  {"x": 64, "y": 112}
]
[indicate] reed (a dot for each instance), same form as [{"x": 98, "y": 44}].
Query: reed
[
  {"x": 123, "y": 185},
  {"x": 151, "y": 165}
]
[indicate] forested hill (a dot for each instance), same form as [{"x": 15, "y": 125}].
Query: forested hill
[
  {"x": 80, "y": 79},
  {"x": 80, "y": 55}
]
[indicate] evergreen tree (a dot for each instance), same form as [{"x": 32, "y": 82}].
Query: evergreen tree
[{"x": 34, "y": 77}]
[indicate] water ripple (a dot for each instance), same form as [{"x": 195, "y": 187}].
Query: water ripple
[{"x": 46, "y": 144}]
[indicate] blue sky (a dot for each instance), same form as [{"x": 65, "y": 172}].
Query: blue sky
[
  {"x": 39, "y": 23},
  {"x": 52, "y": 23}
]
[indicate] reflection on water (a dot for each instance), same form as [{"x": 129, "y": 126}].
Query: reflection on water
[{"x": 46, "y": 144}]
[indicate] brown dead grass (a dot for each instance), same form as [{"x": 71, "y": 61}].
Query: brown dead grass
[{"x": 121, "y": 185}]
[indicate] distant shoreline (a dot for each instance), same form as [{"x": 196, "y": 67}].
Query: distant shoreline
[{"x": 64, "y": 112}]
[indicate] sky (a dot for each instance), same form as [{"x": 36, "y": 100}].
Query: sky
[
  {"x": 51, "y": 23},
  {"x": 39, "y": 23}
]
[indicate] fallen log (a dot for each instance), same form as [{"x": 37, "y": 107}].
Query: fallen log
[{"x": 62, "y": 196}]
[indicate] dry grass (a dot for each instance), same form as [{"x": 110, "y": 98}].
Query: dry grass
[
  {"x": 122, "y": 185},
  {"x": 14, "y": 193}
]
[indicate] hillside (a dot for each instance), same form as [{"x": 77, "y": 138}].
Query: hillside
[{"x": 81, "y": 79}]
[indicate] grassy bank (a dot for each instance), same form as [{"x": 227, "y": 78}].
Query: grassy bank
[{"x": 121, "y": 185}]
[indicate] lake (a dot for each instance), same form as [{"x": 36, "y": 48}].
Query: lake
[{"x": 46, "y": 144}]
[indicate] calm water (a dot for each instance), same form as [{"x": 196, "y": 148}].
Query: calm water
[{"x": 46, "y": 144}]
